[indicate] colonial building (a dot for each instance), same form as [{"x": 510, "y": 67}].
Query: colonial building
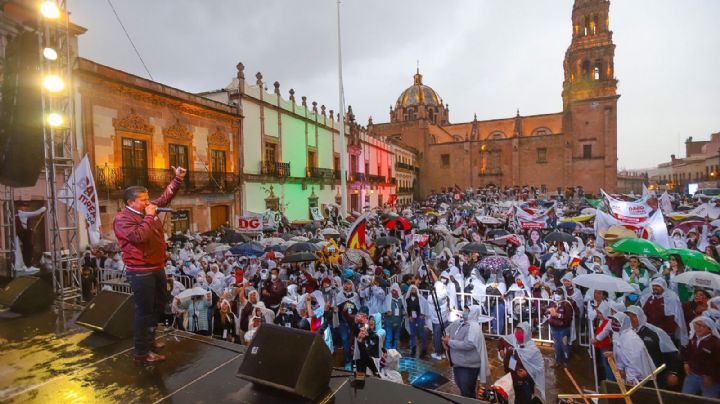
[
  {"x": 577, "y": 146},
  {"x": 291, "y": 152},
  {"x": 701, "y": 166},
  {"x": 134, "y": 130}
]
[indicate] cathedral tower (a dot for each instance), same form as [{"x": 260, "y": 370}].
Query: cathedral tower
[{"x": 590, "y": 99}]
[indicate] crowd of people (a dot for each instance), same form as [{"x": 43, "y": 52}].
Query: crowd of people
[{"x": 443, "y": 274}]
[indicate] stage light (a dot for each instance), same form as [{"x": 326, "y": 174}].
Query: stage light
[
  {"x": 53, "y": 83},
  {"x": 50, "y": 54},
  {"x": 49, "y": 9},
  {"x": 54, "y": 120}
]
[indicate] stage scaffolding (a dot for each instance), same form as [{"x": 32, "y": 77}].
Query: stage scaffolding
[{"x": 60, "y": 159}]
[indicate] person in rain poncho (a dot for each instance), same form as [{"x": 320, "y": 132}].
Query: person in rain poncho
[
  {"x": 573, "y": 294},
  {"x": 521, "y": 260},
  {"x": 372, "y": 294},
  {"x": 523, "y": 360},
  {"x": 466, "y": 344},
  {"x": 224, "y": 322},
  {"x": 702, "y": 359},
  {"x": 677, "y": 240},
  {"x": 632, "y": 358},
  {"x": 347, "y": 304},
  {"x": 602, "y": 342},
  {"x": 417, "y": 309},
  {"x": 389, "y": 366},
  {"x": 443, "y": 303},
  {"x": 662, "y": 308},
  {"x": 394, "y": 309},
  {"x": 312, "y": 309},
  {"x": 561, "y": 314},
  {"x": 658, "y": 344}
]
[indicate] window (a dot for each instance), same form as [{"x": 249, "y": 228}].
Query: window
[
  {"x": 180, "y": 220},
  {"x": 270, "y": 152},
  {"x": 217, "y": 161},
  {"x": 445, "y": 158},
  {"x": 178, "y": 155},
  {"x": 353, "y": 164},
  {"x": 311, "y": 159},
  {"x": 336, "y": 163},
  {"x": 410, "y": 114},
  {"x": 367, "y": 168},
  {"x": 542, "y": 155},
  {"x": 587, "y": 151},
  {"x": 134, "y": 162}
]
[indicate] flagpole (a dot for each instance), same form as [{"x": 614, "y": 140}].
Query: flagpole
[{"x": 343, "y": 147}]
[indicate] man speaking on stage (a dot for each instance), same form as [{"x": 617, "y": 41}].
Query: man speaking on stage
[{"x": 139, "y": 233}]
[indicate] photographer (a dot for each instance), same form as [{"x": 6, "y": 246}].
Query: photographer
[
  {"x": 288, "y": 315},
  {"x": 367, "y": 344}
]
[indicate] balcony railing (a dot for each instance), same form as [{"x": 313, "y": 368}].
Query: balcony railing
[
  {"x": 320, "y": 173},
  {"x": 378, "y": 179},
  {"x": 274, "y": 169},
  {"x": 404, "y": 166},
  {"x": 357, "y": 177},
  {"x": 402, "y": 190},
  {"x": 156, "y": 179}
]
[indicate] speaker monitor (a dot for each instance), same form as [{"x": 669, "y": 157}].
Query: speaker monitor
[
  {"x": 289, "y": 359},
  {"x": 109, "y": 312},
  {"x": 21, "y": 116},
  {"x": 27, "y": 294}
]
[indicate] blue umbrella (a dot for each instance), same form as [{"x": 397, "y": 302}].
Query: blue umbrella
[
  {"x": 569, "y": 226},
  {"x": 249, "y": 249}
]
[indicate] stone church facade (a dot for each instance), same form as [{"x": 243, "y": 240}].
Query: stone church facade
[{"x": 577, "y": 146}]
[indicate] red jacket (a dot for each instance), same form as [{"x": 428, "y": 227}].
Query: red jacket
[{"x": 141, "y": 238}]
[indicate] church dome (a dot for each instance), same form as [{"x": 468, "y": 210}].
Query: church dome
[{"x": 418, "y": 94}]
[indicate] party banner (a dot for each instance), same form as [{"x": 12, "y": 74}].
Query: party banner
[{"x": 627, "y": 212}]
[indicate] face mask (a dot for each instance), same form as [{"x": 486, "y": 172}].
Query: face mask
[
  {"x": 633, "y": 297},
  {"x": 273, "y": 277},
  {"x": 465, "y": 315},
  {"x": 557, "y": 298}
]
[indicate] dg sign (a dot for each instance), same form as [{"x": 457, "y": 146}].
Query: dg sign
[{"x": 250, "y": 223}]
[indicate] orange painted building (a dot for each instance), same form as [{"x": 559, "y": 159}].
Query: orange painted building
[{"x": 577, "y": 146}]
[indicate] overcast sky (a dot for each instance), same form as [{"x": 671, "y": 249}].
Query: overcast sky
[{"x": 482, "y": 56}]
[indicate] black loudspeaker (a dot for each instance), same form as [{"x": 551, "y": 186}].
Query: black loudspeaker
[
  {"x": 289, "y": 359},
  {"x": 21, "y": 116},
  {"x": 27, "y": 294},
  {"x": 109, "y": 312}
]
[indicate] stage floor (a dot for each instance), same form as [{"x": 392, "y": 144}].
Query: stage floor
[{"x": 46, "y": 358}]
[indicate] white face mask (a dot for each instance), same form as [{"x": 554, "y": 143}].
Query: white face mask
[
  {"x": 557, "y": 298},
  {"x": 273, "y": 277}
]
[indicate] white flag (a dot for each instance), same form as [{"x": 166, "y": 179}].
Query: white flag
[{"x": 86, "y": 198}]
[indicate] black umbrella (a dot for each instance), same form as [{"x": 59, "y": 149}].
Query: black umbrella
[
  {"x": 178, "y": 237},
  {"x": 497, "y": 233},
  {"x": 300, "y": 257},
  {"x": 276, "y": 248},
  {"x": 475, "y": 247},
  {"x": 558, "y": 236},
  {"x": 233, "y": 237},
  {"x": 386, "y": 241},
  {"x": 286, "y": 236},
  {"x": 301, "y": 247}
]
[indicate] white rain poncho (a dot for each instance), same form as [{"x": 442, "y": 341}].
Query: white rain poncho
[
  {"x": 666, "y": 344},
  {"x": 672, "y": 307},
  {"x": 531, "y": 357},
  {"x": 521, "y": 260},
  {"x": 630, "y": 353},
  {"x": 708, "y": 323},
  {"x": 387, "y": 304},
  {"x": 442, "y": 296},
  {"x": 424, "y": 307},
  {"x": 475, "y": 335},
  {"x": 389, "y": 368}
]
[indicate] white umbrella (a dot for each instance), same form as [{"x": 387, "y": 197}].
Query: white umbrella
[
  {"x": 715, "y": 223},
  {"x": 188, "y": 293},
  {"x": 330, "y": 232},
  {"x": 299, "y": 239},
  {"x": 603, "y": 282},
  {"x": 699, "y": 279},
  {"x": 271, "y": 241},
  {"x": 488, "y": 220}
]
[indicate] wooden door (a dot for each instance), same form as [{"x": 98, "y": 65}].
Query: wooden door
[{"x": 219, "y": 215}]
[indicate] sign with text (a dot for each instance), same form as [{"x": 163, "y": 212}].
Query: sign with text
[{"x": 252, "y": 223}]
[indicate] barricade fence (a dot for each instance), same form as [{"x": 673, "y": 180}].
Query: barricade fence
[{"x": 506, "y": 313}]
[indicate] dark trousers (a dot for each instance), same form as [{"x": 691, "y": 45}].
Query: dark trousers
[
  {"x": 149, "y": 295},
  {"x": 466, "y": 380},
  {"x": 26, "y": 245},
  {"x": 524, "y": 391}
]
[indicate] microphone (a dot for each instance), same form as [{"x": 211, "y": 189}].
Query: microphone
[{"x": 165, "y": 210}]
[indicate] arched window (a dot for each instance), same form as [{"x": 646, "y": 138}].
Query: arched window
[
  {"x": 541, "y": 131},
  {"x": 496, "y": 135},
  {"x": 598, "y": 70},
  {"x": 431, "y": 115},
  {"x": 596, "y": 25},
  {"x": 410, "y": 114}
]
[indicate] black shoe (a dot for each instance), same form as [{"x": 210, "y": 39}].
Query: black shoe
[
  {"x": 412, "y": 352},
  {"x": 423, "y": 355}
]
